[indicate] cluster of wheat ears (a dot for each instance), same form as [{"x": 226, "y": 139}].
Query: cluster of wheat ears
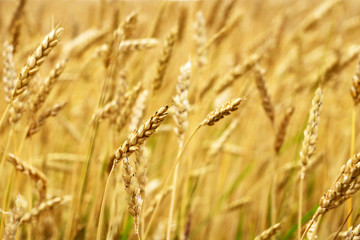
[{"x": 180, "y": 119}]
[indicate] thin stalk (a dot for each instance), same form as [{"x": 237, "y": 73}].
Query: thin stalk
[
  {"x": 352, "y": 146},
  {"x": 301, "y": 187},
  {"x": 168, "y": 178},
  {"x": 102, "y": 208},
  {"x": 172, "y": 204},
  {"x": 4, "y": 114}
]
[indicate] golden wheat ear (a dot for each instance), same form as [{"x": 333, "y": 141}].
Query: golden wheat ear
[
  {"x": 221, "y": 112},
  {"x": 35, "y": 60}
]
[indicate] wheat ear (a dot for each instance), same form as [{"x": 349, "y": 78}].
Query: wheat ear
[
  {"x": 9, "y": 73},
  {"x": 137, "y": 45},
  {"x": 308, "y": 146},
  {"x": 46, "y": 87},
  {"x": 264, "y": 93},
  {"x": 35, "y": 60},
  {"x": 237, "y": 72},
  {"x": 280, "y": 135},
  {"x": 40, "y": 121},
  {"x": 46, "y": 205},
  {"x": 15, "y": 217},
  {"x": 221, "y": 112},
  {"x": 355, "y": 88},
  {"x": 38, "y": 177},
  {"x": 267, "y": 234},
  {"x": 165, "y": 58},
  {"x": 137, "y": 138}
]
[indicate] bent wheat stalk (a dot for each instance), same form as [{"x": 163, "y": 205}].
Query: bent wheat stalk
[{"x": 132, "y": 144}]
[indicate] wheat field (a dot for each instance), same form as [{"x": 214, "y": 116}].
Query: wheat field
[{"x": 204, "y": 119}]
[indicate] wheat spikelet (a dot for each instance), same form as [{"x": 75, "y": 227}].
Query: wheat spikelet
[
  {"x": 35, "y": 60},
  {"x": 237, "y": 72},
  {"x": 137, "y": 138},
  {"x": 221, "y": 112},
  {"x": 137, "y": 45},
  {"x": 267, "y": 234},
  {"x": 164, "y": 59},
  {"x": 355, "y": 88},
  {"x": 46, "y": 205},
  {"x": 200, "y": 39},
  {"x": 38, "y": 177},
  {"x": 46, "y": 87},
  {"x": 264, "y": 94},
  {"x": 133, "y": 191},
  {"x": 9, "y": 73},
  {"x": 181, "y": 102},
  {"x": 40, "y": 121},
  {"x": 15, "y": 216},
  {"x": 346, "y": 184},
  {"x": 354, "y": 234},
  {"x": 310, "y": 133},
  {"x": 280, "y": 135},
  {"x": 17, "y": 107}
]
